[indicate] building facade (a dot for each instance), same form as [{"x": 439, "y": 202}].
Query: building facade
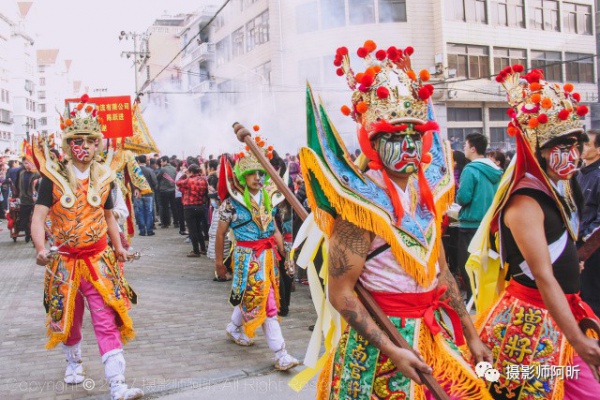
[
  {"x": 266, "y": 50},
  {"x": 54, "y": 86}
]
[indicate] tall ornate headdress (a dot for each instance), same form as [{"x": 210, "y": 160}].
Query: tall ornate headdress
[
  {"x": 82, "y": 120},
  {"x": 541, "y": 110},
  {"x": 246, "y": 162},
  {"x": 389, "y": 97}
]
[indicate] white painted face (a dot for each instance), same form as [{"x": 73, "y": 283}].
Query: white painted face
[
  {"x": 481, "y": 367},
  {"x": 492, "y": 375}
]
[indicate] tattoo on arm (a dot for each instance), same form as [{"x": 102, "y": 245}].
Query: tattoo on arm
[
  {"x": 358, "y": 317},
  {"x": 348, "y": 239},
  {"x": 453, "y": 294}
]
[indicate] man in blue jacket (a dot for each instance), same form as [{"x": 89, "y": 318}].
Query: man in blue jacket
[
  {"x": 589, "y": 180},
  {"x": 478, "y": 184}
]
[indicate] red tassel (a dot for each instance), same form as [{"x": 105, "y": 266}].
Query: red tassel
[{"x": 223, "y": 172}]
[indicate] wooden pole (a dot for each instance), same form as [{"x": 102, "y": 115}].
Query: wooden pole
[{"x": 364, "y": 296}]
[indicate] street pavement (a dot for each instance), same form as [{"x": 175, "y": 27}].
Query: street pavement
[{"x": 181, "y": 350}]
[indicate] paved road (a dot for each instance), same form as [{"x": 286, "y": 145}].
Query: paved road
[{"x": 180, "y": 351}]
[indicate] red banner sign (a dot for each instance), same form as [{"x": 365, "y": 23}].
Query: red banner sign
[{"x": 115, "y": 112}]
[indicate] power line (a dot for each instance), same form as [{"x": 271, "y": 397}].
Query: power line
[{"x": 190, "y": 42}]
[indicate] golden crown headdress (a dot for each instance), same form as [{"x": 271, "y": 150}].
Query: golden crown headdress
[
  {"x": 388, "y": 90},
  {"x": 81, "y": 120},
  {"x": 247, "y": 162},
  {"x": 543, "y": 111}
]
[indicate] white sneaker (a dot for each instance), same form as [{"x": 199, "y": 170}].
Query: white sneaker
[
  {"x": 74, "y": 374},
  {"x": 285, "y": 361},
  {"x": 120, "y": 391},
  {"x": 236, "y": 334}
]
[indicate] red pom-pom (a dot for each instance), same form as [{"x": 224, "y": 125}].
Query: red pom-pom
[
  {"x": 424, "y": 94},
  {"x": 362, "y": 52},
  {"x": 367, "y": 80},
  {"x": 518, "y": 68},
  {"x": 582, "y": 110},
  {"x": 563, "y": 114},
  {"x": 363, "y": 88},
  {"x": 409, "y": 50},
  {"x": 499, "y": 78},
  {"x": 380, "y": 55},
  {"x": 577, "y": 97},
  {"x": 337, "y": 62},
  {"x": 382, "y": 92},
  {"x": 342, "y": 51},
  {"x": 429, "y": 88},
  {"x": 339, "y": 72},
  {"x": 392, "y": 53},
  {"x": 542, "y": 118},
  {"x": 346, "y": 110},
  {"x": 73, "y": 113},
  {"x": 256, "y": 128},
  {"x": 85, "y": 98},
  {"x": 510, "y": 112},
  {"x": 95, "y": 112}
]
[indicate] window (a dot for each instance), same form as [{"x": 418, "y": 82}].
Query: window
[
  {"x": 361, "y": 12},
  {"x": 464, "y": 114},
  {"x": 250, "y": 33},
  {"x": 504, "y": 57},
  {"x": 499, "y": 139},
  {"x": 264, "y": 70},
  {"x": 305, "y": 17},
  {"x": 580, "y": 67},
  {"x": 469, "y": 61},
  {"x": 43, "y": 121},
  {"x": 577, "y": 18},
  {"x": 262, "y": 28},
  {"x": 457, "y": 136},
  {"x": 222, "y": 51},
  {"x": 41, "y": 95},
  {"x": 498, "y": 114},
  {"x": 237, "y": 42},
  {"x": 41, "y": 69},
  {"x": 466, "y": 10},
  {"x": 392, "y": 10},
  {"x": 333, "y": 13},
  {"x": 508, "y": 13},
  {"x": 42, "y": 108},
  {"x": 549, "y": 62},
  {"x": 543, "y": 14},
  {"x": 42, "y": 81}
]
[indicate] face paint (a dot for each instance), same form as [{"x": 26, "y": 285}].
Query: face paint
[
  {"x": 400, "y": 153},
  {"x": 259, "y": 180},
  {"x": 562, "y": 160},
  {"x": 77, "y": 150}
]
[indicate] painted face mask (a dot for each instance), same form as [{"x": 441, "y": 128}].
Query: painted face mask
[
  {"x": 400, "y": 153},
  {"x": 260, "y": 175},
  {"x": 563, "y": 160},
  {"x": 78, "y": 150}
]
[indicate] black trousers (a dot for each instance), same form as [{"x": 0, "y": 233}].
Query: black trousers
[
  {"x": 167, "y": 207},
  {"x": 178, "y": 217},
  {"x": 590, "y": 282},
  {"x": 25, "y": 219},
  {"x": 464, "y": 238},
  {"x": 285, "y": 288},
  {"x": 195, "y": 218}
]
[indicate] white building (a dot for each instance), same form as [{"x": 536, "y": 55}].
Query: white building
[
  {"x": 7, "y": 140},
  {"x": 54, "y": 86},
  {"x": 265, "y": 50}
]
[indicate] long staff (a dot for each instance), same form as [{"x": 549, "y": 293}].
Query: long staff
[{"x": 364, "y": 296}]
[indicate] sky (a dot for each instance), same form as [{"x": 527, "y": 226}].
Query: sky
[{"x": 87, "y": 32}]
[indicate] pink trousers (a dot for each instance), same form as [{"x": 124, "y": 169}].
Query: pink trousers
[{"x": 104, "y": 319}]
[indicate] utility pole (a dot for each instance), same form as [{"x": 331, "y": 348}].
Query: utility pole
[{"x": 139, "y": 55}]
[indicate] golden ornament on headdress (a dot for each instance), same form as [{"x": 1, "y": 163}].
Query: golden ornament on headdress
[{"x": 543, "y": 111}]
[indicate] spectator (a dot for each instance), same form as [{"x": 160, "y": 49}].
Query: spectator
[
  {"x": 25, "y": 192},
  {"x": 459, "y": 164},
  {"x": 294, "y": 168},
  {"x": 144, "y": 207},
  {"x": 194, "y": 189},
  {"x": 478, "y": 183},
  {"x": 178, "y": 212},
  {"x": 166, "y": 187},
  {"x": 497, "y": 158},
  {"x": 589, "y": 180}
]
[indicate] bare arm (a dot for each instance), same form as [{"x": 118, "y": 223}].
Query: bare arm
[
  {"x": 348, "y": 248},
  {"x": 222, "y": 229},
  {"x": 521, "y": 212},
  {"x": 38, "y": 233},
  {"x": 479, "y": 350},
  {"x": 113, "y": 234}
]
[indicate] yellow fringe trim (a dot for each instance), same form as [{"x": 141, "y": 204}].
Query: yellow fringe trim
[
  {"x": 269, "y": 273},
  {"x": 453, "y": 374},
  {"x": 324, "y": 381},
  {"x": 119, "y": 306},
  {"x": 368, "y": 219}
]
